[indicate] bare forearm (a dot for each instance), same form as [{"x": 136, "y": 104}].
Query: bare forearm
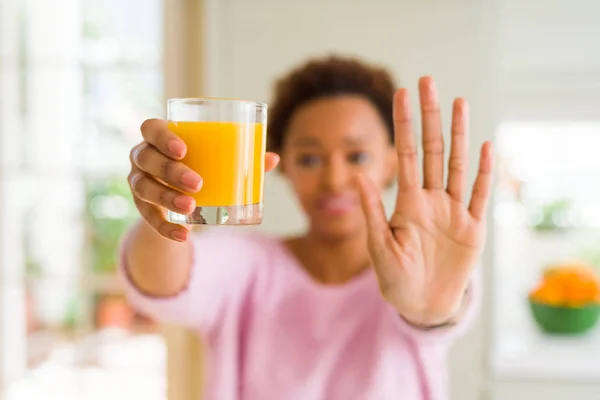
[{"x": 156, "y": 265}]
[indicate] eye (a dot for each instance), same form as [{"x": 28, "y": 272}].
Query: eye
[
  {"x": 358, "y": 157},
  {"x": 309, "y": 160}
]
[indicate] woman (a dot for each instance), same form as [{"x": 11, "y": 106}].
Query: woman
[{"x": 357, "y": 307}]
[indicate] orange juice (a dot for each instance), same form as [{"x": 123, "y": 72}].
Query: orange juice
[{"x": 229, "y": 156}]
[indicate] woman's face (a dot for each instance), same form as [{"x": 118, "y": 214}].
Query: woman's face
[{"x": 329, "y": 141}]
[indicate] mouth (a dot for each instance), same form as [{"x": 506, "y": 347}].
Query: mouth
[{"x": 337, "y": 205}]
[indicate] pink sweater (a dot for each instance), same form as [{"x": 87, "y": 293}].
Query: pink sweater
[{"x": 276, "y": 334}]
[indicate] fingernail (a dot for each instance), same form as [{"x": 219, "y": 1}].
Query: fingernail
[
  {"x": 179, "y": 235},
  {"x": 176, "y": 148},
  {"x": 191, "y": 180},
  {"x": 184, "y": 202}
]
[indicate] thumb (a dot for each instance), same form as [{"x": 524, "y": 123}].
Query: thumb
[
  {"x": 380, "y": 239},
  {"x": 372, "y": 206},
  {"x": 271, "y": 161}
]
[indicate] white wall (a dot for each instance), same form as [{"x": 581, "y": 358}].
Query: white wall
[
  {"x": 252, "y": 43},
  {"x": 550, "y": 59}
]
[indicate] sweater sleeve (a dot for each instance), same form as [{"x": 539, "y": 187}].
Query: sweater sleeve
[{"x": 224, "y": 264}]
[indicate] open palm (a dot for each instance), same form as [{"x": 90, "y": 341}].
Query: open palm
[{"x": 425, "y": 254}]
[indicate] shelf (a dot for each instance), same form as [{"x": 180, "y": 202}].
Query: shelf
[
  {"x": 520, "y": 352},
  {"x": 527, "y": 354}
]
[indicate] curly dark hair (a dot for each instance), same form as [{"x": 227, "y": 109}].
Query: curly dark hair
[{"x": 324, "y": 77}]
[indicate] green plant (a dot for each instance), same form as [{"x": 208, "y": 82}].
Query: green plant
[
  {"x": 33, "y": 264},
  {"x": 548, "y": 214},
  {"x": 109, "y": 211}
]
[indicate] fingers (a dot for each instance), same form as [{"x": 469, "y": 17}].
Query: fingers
[
  {"x": 457, "y": 164},
  {"x": 408, "y": 173},
  {"x": 379, "y": 236},
  {"x": 433, "y": 143},
  {"x": 144, "y": 187},
  {"x": 156, "y": 132},
  {"x": 155, "y": 217},
  {"x": 271, "y": 161},
  {"x": 483, "y": 183},
  {"x": 147, "y": 158},
  {"x": 372, "y": 206}
]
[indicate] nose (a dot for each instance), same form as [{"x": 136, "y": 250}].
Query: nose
[{"x": 336, "y": 175}]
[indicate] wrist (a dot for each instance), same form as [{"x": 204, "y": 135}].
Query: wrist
[{"x": 456, "y": 317}]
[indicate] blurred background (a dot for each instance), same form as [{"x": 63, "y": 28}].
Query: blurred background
[{"x": 77, "y": 78}]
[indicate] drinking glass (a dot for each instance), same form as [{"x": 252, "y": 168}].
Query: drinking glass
[{"x": 226, "y": 141}]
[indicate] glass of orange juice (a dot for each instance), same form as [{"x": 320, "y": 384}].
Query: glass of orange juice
[{"x": 226, "y": 141}]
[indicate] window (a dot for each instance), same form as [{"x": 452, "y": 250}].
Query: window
[{"x": 76, "y": 79}]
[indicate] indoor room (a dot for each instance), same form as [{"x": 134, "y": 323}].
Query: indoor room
[{"x": 79, "y": 77}]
